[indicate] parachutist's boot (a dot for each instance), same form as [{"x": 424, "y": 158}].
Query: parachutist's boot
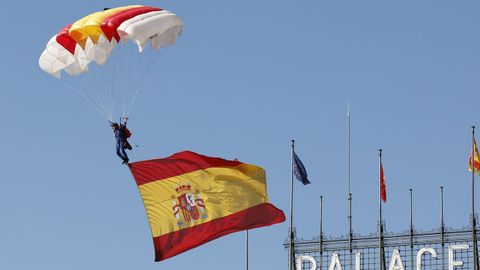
[{"x": 128, "y": 146}]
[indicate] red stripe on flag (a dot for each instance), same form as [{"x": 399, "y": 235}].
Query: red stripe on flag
[
  {"x": 180, "y": 163},
  {"x": 383, "y": 189},
  {"x": 475, "y": 163},
  {"x": 169, "y": 245}
]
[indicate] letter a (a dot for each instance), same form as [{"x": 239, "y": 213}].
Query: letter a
[
  {"x": 396, "y": 261},
  {"x": 335, "y": 264}
]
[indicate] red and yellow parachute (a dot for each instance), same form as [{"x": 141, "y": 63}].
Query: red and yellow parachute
[{"x": 94, "y": 38}]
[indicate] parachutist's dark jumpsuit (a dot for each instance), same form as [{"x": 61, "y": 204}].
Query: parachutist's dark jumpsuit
[{"x": 121, "y": 138}]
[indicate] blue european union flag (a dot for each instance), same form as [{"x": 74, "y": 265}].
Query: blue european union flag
[{"x": 299, "y": 170}]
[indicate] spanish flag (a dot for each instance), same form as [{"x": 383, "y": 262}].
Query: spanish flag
[
  {"x": 476, "y": 159},
  {"x": 191, "y": 199}
]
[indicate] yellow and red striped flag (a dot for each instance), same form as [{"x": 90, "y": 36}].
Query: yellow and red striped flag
[
  {"x": 191, "y": 199},
  {"x": 476, "y": 159}
]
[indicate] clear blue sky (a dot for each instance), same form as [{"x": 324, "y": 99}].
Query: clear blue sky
[{"x": 244, "y": 79}]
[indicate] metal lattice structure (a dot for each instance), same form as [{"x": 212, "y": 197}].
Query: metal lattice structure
[{"x": 406, "y": 243}]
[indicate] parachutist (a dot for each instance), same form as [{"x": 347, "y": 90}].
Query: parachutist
[{"x": 121, "y": 133}]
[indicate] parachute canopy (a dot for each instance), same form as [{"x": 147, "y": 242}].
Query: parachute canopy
[
  {"x": 93, "y": 37},
  {"x": 111, "y": 87}
]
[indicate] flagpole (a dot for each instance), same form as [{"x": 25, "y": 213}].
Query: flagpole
[
  {"x": 350, "y": 234},
  {"x": 380, "y": 238},
  {"x": 321, "y": 232},
  {"x": 291, "y": 251},
  {"x": 442, "y": 229},
  {"x": 411, "y": 230},
  {"x": 474, "y": 222},
  {"x": 246, "y": 250},
  {"x": 349, "y": 149}
]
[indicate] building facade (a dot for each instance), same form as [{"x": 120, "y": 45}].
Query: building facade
[{"x": 440, "y": 249}]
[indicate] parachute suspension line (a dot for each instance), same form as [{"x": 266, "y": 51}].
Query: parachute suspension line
[
  {"x": 118, "y": 76},
  {"x": 80, "y": 93},
  {"x": 105, "y": 101},
  {"x": 98, "y": 81},
  {"x": 93, "y": 78},
  {"x": 134, "y": 72},
  {"x": 108, "y": 86},
  {"x": 84, "y": 90},
  {"x": 139, "y": 85},
  {"x": 111, "y": 89},
  {"x": 114, "y": 79},
  {"x": 87, "y": 81},
  {"x": 146, "y": 71},
  {"x": 109, "y": 80},
  {"x": 105, "y": 109},
  {"x": 127, "y": 68}
]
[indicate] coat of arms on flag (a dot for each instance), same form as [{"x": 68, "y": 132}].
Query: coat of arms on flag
[{"x": 188, "y": 206}]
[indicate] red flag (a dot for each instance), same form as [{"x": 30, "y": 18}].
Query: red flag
[{"x": 383, "y": 189}]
